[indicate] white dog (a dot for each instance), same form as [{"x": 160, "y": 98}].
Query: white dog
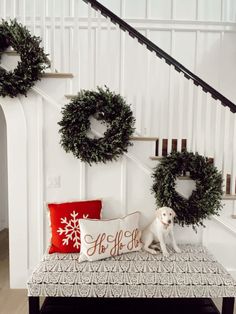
[{"x": 158, "y": 230}]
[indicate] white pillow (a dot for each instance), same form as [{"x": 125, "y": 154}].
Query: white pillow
[{"x": 105, "y": 238}]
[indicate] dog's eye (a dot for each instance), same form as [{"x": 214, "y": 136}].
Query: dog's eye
[
  {"x": 170, "y": 214},
  {"x": 164, "y": 214}
]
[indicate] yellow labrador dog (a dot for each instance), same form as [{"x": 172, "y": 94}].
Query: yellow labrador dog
[{"x": 158, "y": 230}]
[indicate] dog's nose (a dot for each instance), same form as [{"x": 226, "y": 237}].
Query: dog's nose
[{"x": 169, "y": 221}]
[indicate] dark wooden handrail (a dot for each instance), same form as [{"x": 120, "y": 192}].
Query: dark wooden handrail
[{"x": 162, "y": 54}]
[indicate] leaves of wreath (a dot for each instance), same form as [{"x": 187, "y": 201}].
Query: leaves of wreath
[
  {"x": 33, "y": 59},
  {"x": 204, "y": 201},
  {"x": 107, "y": 107}
]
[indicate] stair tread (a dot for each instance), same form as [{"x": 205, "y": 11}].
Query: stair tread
[
  {"x": 70, "y": 96},
  {"x": 10, "y": 52},
  {"x": 143, "y": 138},
  {"x": 229, "y": 197},
  {"x": 57, "y": 75},
  {"x": 156, "y": 157}
]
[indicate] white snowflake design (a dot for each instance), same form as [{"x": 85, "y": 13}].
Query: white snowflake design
[{"x": 71, "y": 230}]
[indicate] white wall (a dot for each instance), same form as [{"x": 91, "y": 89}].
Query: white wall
[{"x": 3, "y": 173}]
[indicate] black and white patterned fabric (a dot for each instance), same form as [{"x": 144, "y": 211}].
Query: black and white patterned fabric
[{"x": 192, "y": 273}]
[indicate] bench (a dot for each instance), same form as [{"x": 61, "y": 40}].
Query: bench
[{"x": 194, "y": 273}]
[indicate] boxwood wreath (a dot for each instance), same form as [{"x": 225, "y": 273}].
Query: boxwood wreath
[
  {"x": 204, "y": 201},
  {"x": 33, "y": 59},
  {"x": 109, "y": 108}
]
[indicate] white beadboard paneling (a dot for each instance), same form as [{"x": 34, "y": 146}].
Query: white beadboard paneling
[
  {"x": 140, "y": 8},
  {"x": 83, "y": 9},
  {"x": 207, "y": 63},
  {"x": 98, "y": 180},
  {"x": 160, "y": 9},
  {"x": 161, "y": 39},
  {"x": 58, "y": 162},
  {"x": 107, "y": 75},
  {"x": 185, "y": 56},
  {"x": 228, "y": 59},
  {"x": 139, "y": 192},
  {"x": 185, "y": 9},
  {"x": 113, "y": 5},
  {"x": 209, "y": 10}
]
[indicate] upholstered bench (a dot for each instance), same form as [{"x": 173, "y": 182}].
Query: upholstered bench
[{"x": 194, "y": 273}]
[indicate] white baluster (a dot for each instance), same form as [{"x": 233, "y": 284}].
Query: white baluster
[
  {"x": 199, "y": 122},
  {"x": 13, "y": 9},
  {"x": 90, "y": 52},
  {"x": 122, "y": 37},
  {"x": 63, "y": 37},
  {"x": 77, "y": 50},
  {"x": 4, "y": 9},
  {"x": 23, "y": 18},
  {"x": 97, "y": 75},
  {"x": 147, "y": 99},
  {"x": 34, "y": 16},
  {"x": 226, "y": 136},
  {"x": 233, "y": 156},
  {"x": 170, "y": 108},
  {"x": 180, "y": 111},
  {"x": 53, "y": 39},
  {"x": 43, "y": 23},
  {"x": 208, "y": 135},
  {"x": 217, "y": 135},
  {"x": 190, "y": 118}
]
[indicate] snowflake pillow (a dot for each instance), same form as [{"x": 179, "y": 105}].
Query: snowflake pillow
[
  {"x": 105, "y": 238},
  {"x": 64, "y": 218}
]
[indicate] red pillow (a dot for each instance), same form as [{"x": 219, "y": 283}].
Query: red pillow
[{"x": 65, "y": 223}]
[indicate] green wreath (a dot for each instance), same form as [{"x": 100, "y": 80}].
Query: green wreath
[
  {"x": 30, "y": 67},
  {"x": 204, "y": 201},
  {"x": 107, "y": 107}
]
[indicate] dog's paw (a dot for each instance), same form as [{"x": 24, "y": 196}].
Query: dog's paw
[
  {"x": 177, "y": 250},
  {"x": 166, "y": 254},
  {"x": 153, "y": 252}
]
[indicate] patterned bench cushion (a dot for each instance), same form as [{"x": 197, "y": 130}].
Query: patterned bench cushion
[{"x": 193, "y": 273}]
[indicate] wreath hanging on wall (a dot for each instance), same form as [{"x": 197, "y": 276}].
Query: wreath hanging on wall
[
  {"x": 108, "y": 108},
  {"x": 204, "y": 201},
  {"x": 33, "y": 59}
]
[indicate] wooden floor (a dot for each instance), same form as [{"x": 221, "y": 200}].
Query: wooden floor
[{"x": 14, "y": 301}]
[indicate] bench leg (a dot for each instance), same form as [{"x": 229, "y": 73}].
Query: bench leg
[
  {"x": 228, "y": 306},
  {"x": 34, "y": 305}
]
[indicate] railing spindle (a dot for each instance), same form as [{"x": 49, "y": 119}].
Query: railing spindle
[
  {"x": 190, "y": 87},
  {"x": 180, "y": 104},
  {"x": 97, "y": 75},
  {"x": 233, "y": 157},
  {"x": 90, "y": 52},
  {"x": 218, "y": 136},
  {"x": 226, "y": 148},
  {"x": 170, "y": 108},
  {"x": 208, "y": 134},
  {"x": 34, "y": 16}
]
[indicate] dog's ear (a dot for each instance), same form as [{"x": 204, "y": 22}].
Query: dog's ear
[
  {"x": 158, "y": 213},
  {"x": 173, "y": 213}
]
